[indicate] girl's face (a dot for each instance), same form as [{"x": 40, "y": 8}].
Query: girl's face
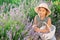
[{"x": 42, "y": 12}]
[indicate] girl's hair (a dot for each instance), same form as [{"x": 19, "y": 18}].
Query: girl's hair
[{"x": 44, "y": 8}]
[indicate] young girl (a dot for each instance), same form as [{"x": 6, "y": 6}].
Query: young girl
[{"x": 43, "y": 12}]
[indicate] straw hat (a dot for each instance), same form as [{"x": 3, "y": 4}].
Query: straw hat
[{"x": 44, "y": 5}]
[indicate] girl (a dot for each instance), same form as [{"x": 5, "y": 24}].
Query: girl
[{"x": 43, "y": 12}]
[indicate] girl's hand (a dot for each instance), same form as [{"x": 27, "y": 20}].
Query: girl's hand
[
  {"x": 34, "y": 26},
  {"x": 36, "y": 29}
]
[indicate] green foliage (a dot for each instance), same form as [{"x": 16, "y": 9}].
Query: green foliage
[
  {"x": 56, "y": 12},
  {"x": 11, "y": 25},
  {"x": 17, "y": 2},
  {"x": 32, "y": 13}
]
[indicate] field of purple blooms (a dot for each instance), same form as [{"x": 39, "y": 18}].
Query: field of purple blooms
[{"x": 16, "y": 21}]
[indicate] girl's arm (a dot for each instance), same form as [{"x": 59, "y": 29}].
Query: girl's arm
[
  {"x": 46, "y": 29},
  {"x": 35, "y": 22},
  {"x": 48, "y": 24}
]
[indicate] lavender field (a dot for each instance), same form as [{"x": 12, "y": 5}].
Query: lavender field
[{"x": 16, "y": 17}]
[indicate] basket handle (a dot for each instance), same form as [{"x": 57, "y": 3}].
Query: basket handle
[{"x": 47, "y": 25}]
